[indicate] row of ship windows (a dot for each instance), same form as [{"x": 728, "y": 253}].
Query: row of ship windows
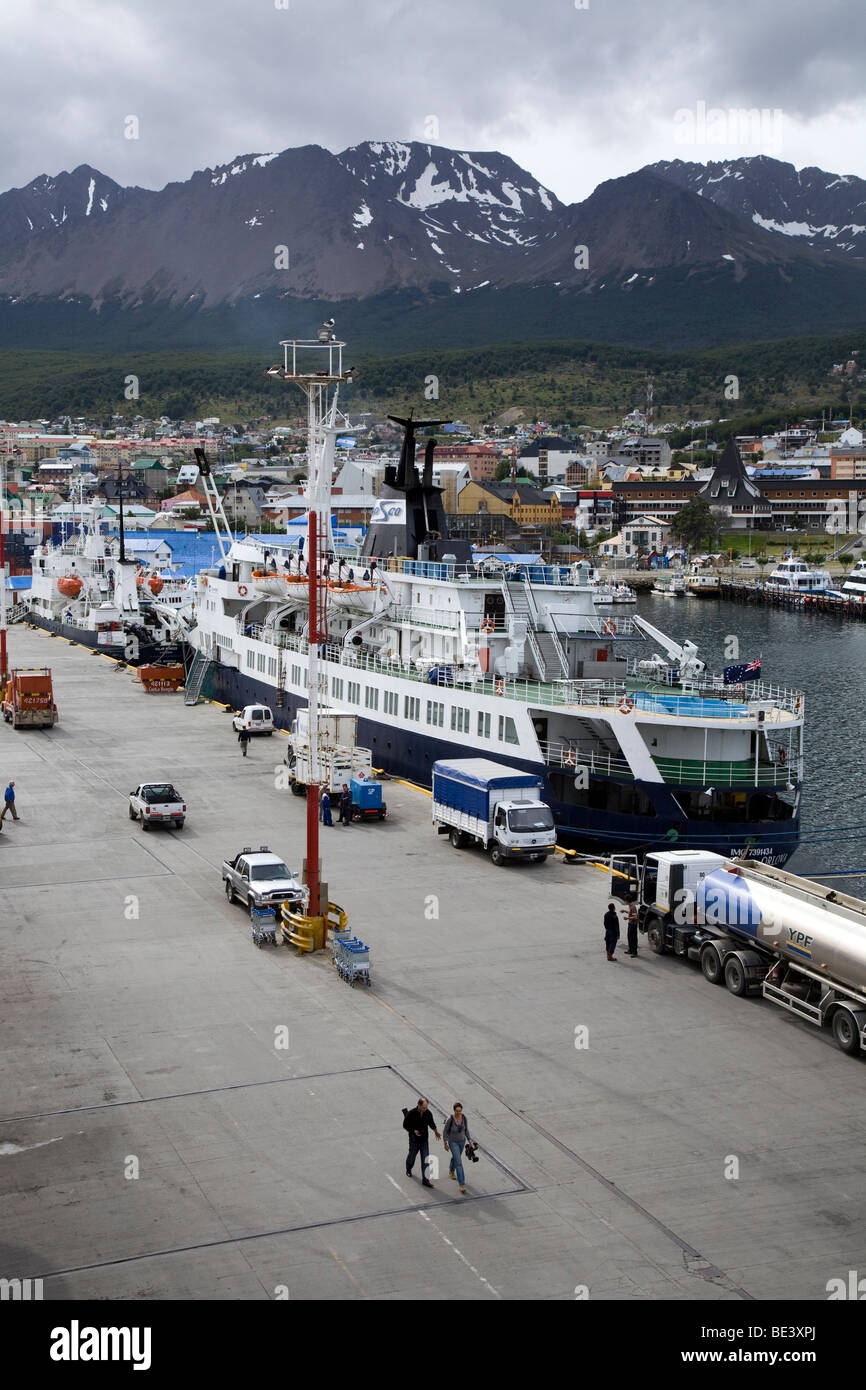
[
  {"x": 434, "y": 710},
  {"x": 350, "y": 691}
]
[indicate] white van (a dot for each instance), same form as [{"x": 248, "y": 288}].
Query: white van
[{"x": 258, "y": 719}]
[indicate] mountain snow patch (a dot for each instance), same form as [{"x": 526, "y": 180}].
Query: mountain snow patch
[
  {"x": 363, "y": 217},
  {"x": 90, "y": 192}
]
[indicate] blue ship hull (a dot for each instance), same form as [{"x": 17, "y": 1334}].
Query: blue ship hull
[
  {"x": 411, "y": 754},
  {"x": 86, "y": 637}
]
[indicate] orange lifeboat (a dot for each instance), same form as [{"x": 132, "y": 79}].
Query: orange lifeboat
[
  {"x": 155, "y": 584},
  {"x": 70, "y": 585}
]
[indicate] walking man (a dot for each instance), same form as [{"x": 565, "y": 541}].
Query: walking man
[
  {"x": 611, "y": 930},
  {"x": 243, "y": 740},
  {"x": 455, "y": 1136},
  {"x": 345, "y": 806},
  {"x": 326, "y": 808},
  {"x": 631, "y": 927},
  {"x": 417, "y": 1124},
  {"x": 9, "y": 802}
]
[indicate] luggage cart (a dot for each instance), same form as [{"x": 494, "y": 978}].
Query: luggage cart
[
  {"x": 263, "y": 921},
  {"x": 352, "y": 959}
]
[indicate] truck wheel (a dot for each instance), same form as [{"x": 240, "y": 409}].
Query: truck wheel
[
  {"x": 456, "y": 838},
  {"x": 712, "y": 966},
  {"x": 735, "y": 976},
  {"x": 496, "y": 855},
  {"x": 179, "y": 823},
  {"x": 846, "y": 1032},
  {"x": 132, "y": 815},
  {"x": 230, "y": 893},
  {"x": 655, "y": 935},
  {"x": 145, "y": 824}
]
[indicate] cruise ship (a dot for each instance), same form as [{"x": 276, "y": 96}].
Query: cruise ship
[
  {"x": 442, "y": 657},
  {"x": 83, "y": 591}
]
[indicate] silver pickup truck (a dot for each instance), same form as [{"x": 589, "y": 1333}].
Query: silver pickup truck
[{"x": 261, "y": 879}]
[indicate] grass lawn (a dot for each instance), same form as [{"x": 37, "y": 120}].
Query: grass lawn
[{"x": 773, "y": 544}]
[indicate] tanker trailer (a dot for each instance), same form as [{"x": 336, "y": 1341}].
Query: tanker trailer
[
  {"x": 758, "y": 930},
  {"x": 806, "y": 946}
]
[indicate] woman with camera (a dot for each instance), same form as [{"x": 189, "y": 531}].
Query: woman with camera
[{"x": 455, "y": 1136}]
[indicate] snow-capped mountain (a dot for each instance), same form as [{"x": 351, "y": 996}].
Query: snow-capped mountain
[
  {"x": 47, "y": 204},
  {"x": 459, "y": 197},
  {"x": 707, "y": 252},
  {"x": 825, "y": 211}
]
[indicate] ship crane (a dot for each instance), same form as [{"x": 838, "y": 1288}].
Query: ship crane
[{"x": 684, "y": 655}]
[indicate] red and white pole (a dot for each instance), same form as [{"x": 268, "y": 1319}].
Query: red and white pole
[
  {"x": 315, "y": 638},
  {"x": 4, "y": 516}
]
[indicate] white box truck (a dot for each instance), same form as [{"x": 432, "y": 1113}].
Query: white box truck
[{"x": 482, "y": 801}]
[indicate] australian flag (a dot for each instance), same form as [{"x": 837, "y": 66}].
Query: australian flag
[{"x": 745, "y": 671}]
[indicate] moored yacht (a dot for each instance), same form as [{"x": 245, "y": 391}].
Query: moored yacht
[{"x": 795, "y": 577}]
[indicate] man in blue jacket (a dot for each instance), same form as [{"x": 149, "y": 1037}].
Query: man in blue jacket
[{"x": 9, "y": 802}]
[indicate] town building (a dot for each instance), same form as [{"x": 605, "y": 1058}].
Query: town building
[
  {"x": 524, "y": 504},
  {"x": 644, "y": 534},
  {"x": 847, "y": 462},
  {"x": 549, "y": 456}
]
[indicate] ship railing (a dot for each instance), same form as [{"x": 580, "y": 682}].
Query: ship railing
[
  {"x": 713, "y": 686},
  {"x": 421, "y": 616},
  {"x": 486, "y": 571},
  {"x": 576, "y": 758},
  {"x": 694, "y": 772},
  {"x": 703, "y": 704}
]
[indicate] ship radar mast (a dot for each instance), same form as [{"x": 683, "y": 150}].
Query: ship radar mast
[{"x": 315, "y": 366}]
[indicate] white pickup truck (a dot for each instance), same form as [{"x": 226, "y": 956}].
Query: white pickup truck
[
  {"x": 261, "y": 879},
  {"x": 157, "y": 803}
]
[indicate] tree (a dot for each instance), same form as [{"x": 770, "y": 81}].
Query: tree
[{"x": 695, "y": 523}]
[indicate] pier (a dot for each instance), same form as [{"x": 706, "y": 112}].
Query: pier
[
  {"x": 185, "y": 1116},
  {"x": 851, "y": 609}
]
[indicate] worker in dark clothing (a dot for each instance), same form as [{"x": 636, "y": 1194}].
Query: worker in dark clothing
[
  {"x": 611, "y": 930},
  {"x": 418, "y": 1124},
  {"x": 345, "y": 806},
  {"x": 325, "y": 812},
  {"x": 244, "y": 740},
  {"x": 631, "y": 927}
]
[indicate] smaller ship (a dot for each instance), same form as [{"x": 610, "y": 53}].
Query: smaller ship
[
  {"x": 675, "y": 587},
  {"x": 701, "y": 584},
  {"x": 795, "y": 577}
]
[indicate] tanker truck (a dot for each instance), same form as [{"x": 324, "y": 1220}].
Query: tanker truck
[{"x": 757, "y": 930}]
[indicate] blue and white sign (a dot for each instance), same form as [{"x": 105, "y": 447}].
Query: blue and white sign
[
  {"x": 388, "y": 512},
  {"x": 345, "y": 443}
]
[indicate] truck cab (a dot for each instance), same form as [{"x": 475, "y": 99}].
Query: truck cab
[
  {"x": 28, "y": 700},
  {"x": 666, "y": 889}
]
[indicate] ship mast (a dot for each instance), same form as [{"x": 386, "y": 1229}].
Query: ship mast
[{"x": 315, "y": 366}]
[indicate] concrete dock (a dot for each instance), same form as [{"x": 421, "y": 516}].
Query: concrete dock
[{"x": 644, "y": 1134}]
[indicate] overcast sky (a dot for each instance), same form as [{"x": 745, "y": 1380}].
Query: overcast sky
[{"x": 574, "y": 95}]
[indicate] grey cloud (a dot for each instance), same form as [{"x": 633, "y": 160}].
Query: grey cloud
[{"x": 575, "y": 95}]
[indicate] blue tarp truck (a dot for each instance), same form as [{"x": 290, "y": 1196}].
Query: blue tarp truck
[{"x": 498, "y": 807}]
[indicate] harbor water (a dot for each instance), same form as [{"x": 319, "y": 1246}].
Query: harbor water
[{"x": 825, "y": 657}]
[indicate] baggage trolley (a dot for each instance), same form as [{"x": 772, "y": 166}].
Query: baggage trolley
[
  {"x": 263, "y": 922},
  {"x": 352, "y": 959}
]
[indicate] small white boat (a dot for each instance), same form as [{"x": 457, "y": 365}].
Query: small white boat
[
  {"x": 795, "y": 577},
  {"x": 623, "y": 594},
  {"x": 675, "y": 587},
  {"x": 703, "y": 585}
]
